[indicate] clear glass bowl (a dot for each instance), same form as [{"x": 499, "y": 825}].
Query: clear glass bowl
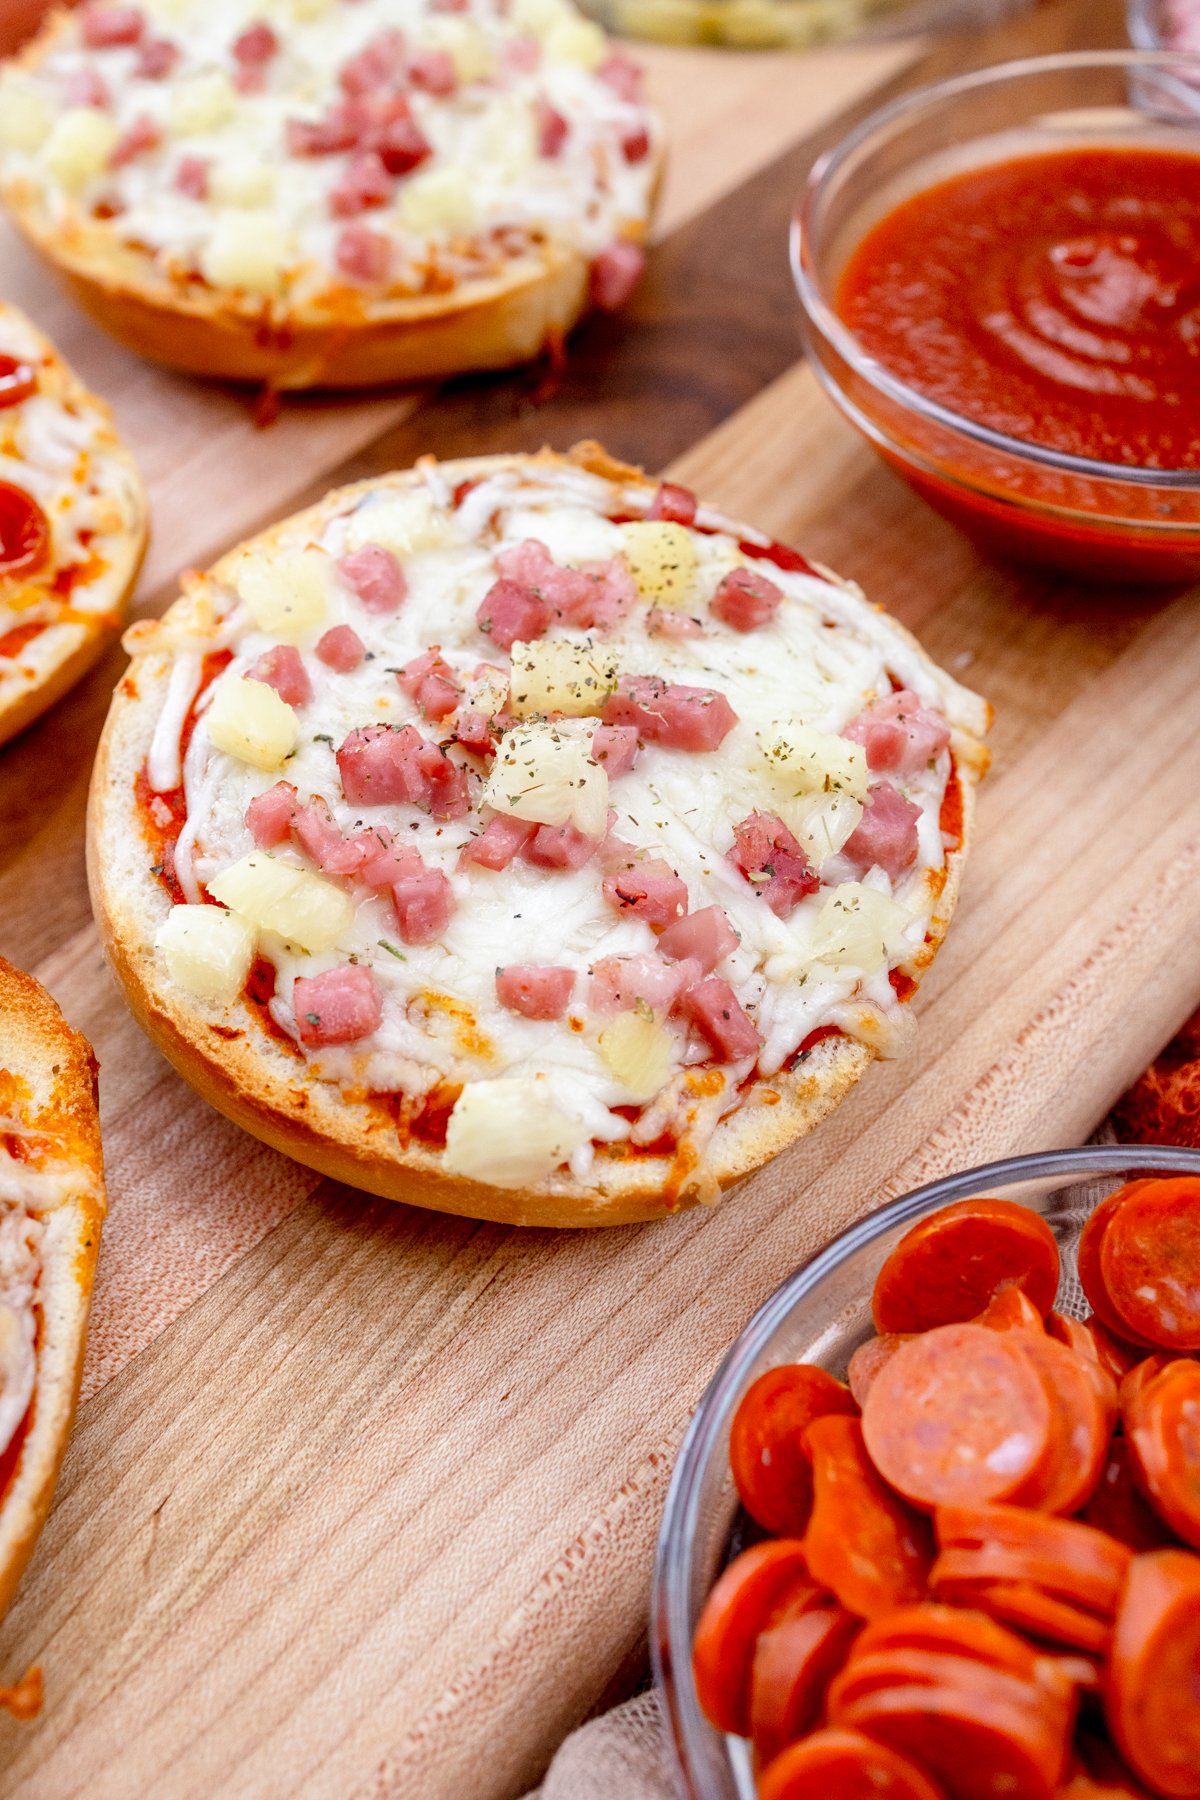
[
  {"x": 821, "y": 1315},
  {"x": 1020, "y": 501}
]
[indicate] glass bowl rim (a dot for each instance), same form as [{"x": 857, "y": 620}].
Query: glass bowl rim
[
  {"x": 670, "y": 1643},
  {"x": 873, "y": 372}
]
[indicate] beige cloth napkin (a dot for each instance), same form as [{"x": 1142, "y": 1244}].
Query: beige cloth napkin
[{"x": 623, "y": 1755}]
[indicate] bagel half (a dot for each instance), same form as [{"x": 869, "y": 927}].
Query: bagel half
[
  {"x": 371, "y": 1108},
  {"x": 51, "y": 1172},
  {"x": 348, "y": 264},
  {"x": 60, "y": 605}
]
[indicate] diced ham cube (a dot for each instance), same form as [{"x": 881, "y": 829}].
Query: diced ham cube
[
  {"x": 384, "y": 861},
  {"x": 317, "y": 834},
  {"x": 615, "y": 748},
  {"x": 431, "y": 683},
  {"x": 473, "y": 730},
  {"x": 380, "y": 63},
  {"x": 668, "y": 622},
  {"x": 364, "y": 254},
  {"x": 366, "y": 183},
  {"x": 269, "y": 815},
  {"x": 886, "y": 834},
  {"x": 552, "y": 129},
  {"x": 704, "y": 937},
  {"x": 521, "y": 55},
  {"x": 340, "y": 129},
  {"x": 635, "y": 145},
  {"x": 456, "y": 6},
  {"x": 424, "y": 902},
  {"x": 86, "y": 87},
  {"x": 745, "y": 600},
  {"x": 615, "y": 273},
  {"x": 682, "y": 718},
  {"x": 508, "y": 612},
  {"x": 400, "y": 143},
  {"x": 496, "y": 846},
  {"x": 559, "y": 847},
  {"x": 341, "y": 648},
  {"x": 899, "y": 734},
  {"x": 651, "y": 890},
  {"x": 593, "y": 596},
  {"x": 446, "y": 783},
  {"x": 191, "y": 177},
  {"x": 763, "y": 845},
  {"x": 535, "y": 993},
  {"x": 281, "y": 668},
  {"x": 156, "y": 58},
  {"x": 433, "y": 72},
  {"x": 257, "y": 44},
  {"x": 619, "y": 982},
  {"x": 104, "y": 26},
  {"x": 378, "y": 766},
  {"x": 622, "y": 75},
  {"x": 250, "y": 78},
  {"x": 339, "y": 1007},
  {"x": 713, "y": 1006},
  {"x": 376, "y": 577},
  {"x": 142, "y": 135},
  {"x": 677, "y": 504}
]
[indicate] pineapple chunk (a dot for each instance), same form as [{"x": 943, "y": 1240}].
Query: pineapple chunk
[
  {"x": 468, "y": 49},
  {"x": 545, "y": 774},
  {"x": 403, "y": 523},
  {"x": 207, "y": 951},
  {"x": 247, "y": 251},
  {"x": 247, "y": 719},
  {"x": 509, "y": 1133},
  {"x": 306, "y": 911},
  {"x": 538, "y": 17},
  {"x": 670, "y": 21},
  {"x": 285, "y": 592},
  {"x": 506, "y": 139},
  {"x": 804, "y": 760},
  {"x": 638, "y": 1053},
  {"x": 241, "y": 182},
  {"x": 202, "y": 104},
  {"x": 26, "y": 117},
  {"x": 860, "y": 926},
  {"x": 488, "y": 695},
  {"x": 79, "y": 146},
  {"x": 304, "y": 10},
  {"x": 662, "y": 560},
  {"x": 558, "y": 676},
  {"x": 440, "y": 200},
  {"x": 576, "y": 40},
  {"x": 825, "y": 827}
]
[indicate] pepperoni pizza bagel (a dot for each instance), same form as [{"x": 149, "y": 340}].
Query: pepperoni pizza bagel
[
  {"x": 315, "y": 192},
  {"x": 51, "y": 1207},
  {"x": 516, "y": 837},
  {"x": 73, "y": 525}
]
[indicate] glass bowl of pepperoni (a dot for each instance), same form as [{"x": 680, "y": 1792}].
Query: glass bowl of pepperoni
[
  {"x": 984, "y": 1278},
  {"x": 999, "y": 289}
]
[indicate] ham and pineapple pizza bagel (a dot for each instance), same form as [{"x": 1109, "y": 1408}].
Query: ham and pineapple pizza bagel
[
  {"x": 73, "y": 524},
  {"x": 333, "y": 192},
  {"x": 51, "y": 1208},
  {"x": 513, "y": 837}
]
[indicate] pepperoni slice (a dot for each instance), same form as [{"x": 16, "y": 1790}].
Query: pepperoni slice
[
  {"x": 1080, "y": 1340},
  {"x": 1091, "y": 1280},
  {"x": 1150, "y": 1263},
  {"x": 1065, "y": 1480},
  {"x": 1032, "y": 1610},
  {"x": 980, "y": 1744},
  {"x": 1162, "y": 1425},
  {"x": 954, "y": 1630},
  {"x": 794, "y": 1662},
  {"x": 24, "y": 531},
  {"x": 1116, "y": 1507},
  {"x": 734, "y": 1614},
  {"x": 1113, "y": 1353},
  {"x": 869, "y": 1358},
  {"x": 947, "y": 1268},
  {"x": 1074, "y": 1562},
  {"x": 844, "y": 1765},
  {"x": 1142, "y": 1374},
  {"x": 959, "y": 1416},
  {"x": 772, "y": 1474},
  {"x": 1150, "y": 1700},
  {"x": 862, "y": 1541},
  {"x": 1011, "y": 1310},
  {"x": 897, "y": 1668},
  {"x": 17, "y": 381}
]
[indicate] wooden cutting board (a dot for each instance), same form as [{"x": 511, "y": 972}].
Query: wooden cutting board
[{"x": 363, "y": 1500}]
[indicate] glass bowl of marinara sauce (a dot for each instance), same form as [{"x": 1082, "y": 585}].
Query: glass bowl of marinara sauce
[
  {"x": 821, "y": 1315},
  {"x": 1000, "y": 283}
]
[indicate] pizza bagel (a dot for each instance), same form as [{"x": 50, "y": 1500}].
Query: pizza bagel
[{"x": 518, "y": 837}]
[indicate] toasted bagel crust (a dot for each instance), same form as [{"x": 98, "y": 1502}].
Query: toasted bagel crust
[
  {"x": 56, "y": 1065},
  {"x": 265, "y": 1086}
]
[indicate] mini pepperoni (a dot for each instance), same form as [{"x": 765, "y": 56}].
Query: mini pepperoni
[
  {"x": 1091, "y": 1279},
  {"x": 979, "y": 1744},
  {"x": 959, "y": 1416},
  {"x": 862, "y": 1541},
  {"x": 1151, "y": 1700},
  {"x": 947, "y": 1268},
  {"x": 1116, "y": 1507},
  {"x": 954, "y": 1630},
  {"x": 17, "y": 381},
  {"x": 1162, "y": 1425},
  {"x": 869, "y": 1358},
  {"x": 771, "y": 1472},
  {"x": 1066, "y": 1478},
  {"x": 1150, "y": 1263},
  {"x": 1011, "y": 1309},
  {"x": 24, "y": 531},
  {"x": 794, "y": 1662},
  {"x": 844, "y": 1765},
  {"x": 734, "y": 1614}
]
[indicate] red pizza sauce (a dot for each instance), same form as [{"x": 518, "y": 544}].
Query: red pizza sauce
[{"x": 1054, "y": 298}]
